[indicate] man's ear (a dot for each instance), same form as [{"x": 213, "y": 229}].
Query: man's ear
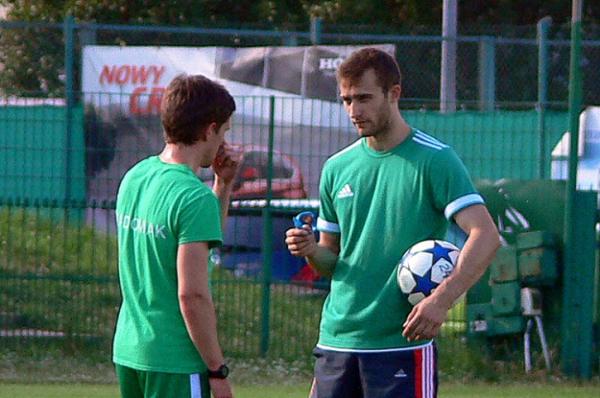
[
  {"x": 209, "y": 131},
  {"x": 395, "y": 93}
]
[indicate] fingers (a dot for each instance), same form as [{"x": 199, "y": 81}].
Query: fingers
[
  {"x": 227, "y": 162},
  {"x": 228, "y": 156},
  {"x": 300, "y": 241},
  {"x": 300, "y": 249},
  {"x": 298, "y": 232},
  {"x": 419, "y": 325},
  {"x": 410, "y": 325}
]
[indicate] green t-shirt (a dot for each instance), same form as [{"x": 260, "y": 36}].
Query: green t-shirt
[
  {"x": 159, "y": 207},
  {"x": 381, "y": 203}
]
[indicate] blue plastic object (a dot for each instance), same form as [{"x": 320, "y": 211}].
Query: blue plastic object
[{"x": 306, "y": 218}]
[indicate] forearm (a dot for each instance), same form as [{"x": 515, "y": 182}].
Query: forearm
[
  {"x": 222, "y": 191},
  {"x": 199, "y": 315},
  {"x": 323, "y": 260},
  {"x": 475, "y": 257}
]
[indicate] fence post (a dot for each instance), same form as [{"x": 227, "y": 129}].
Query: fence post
[
  {"x": 572, "y": 311},
  {"x": 68, "y": 28},
  {"x": 543, "y": 26},
  {"x": 487, "y": 73},
  {"x": 316, "y": 27},
  {"x": 448, "y": 64},
  {"x": 267, "y": 241},
  {"x": 290, "y": 39},
  {"x": 87, "y": 34}
]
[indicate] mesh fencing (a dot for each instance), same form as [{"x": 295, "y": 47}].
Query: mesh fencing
[{"x": 60, "y": 168}]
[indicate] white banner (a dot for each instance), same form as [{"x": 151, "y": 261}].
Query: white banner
[
  {"x": 134, "y": 78},
  {"x": 123, "y": 87}
]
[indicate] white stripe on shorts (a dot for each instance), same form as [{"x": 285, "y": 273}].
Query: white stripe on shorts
[
  {"x": 195, "y": 386},
  {"x": 427, "y": 369}
]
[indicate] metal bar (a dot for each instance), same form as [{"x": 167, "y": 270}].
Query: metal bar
[
  {"x": 569, "y": 317},
  {"x": 30, "y": 24},
  {"x": 542, "y": 336},
  {"x": 68, "y": 32},
  {"x": 487, "y": 73},
  {"x": 207, "y": 31},
  {"x": 283, "y": 34},
  {"x": 267, "y": 241},
  {"x": 448, "y": 64},
  {"x": 316, "y": 29},
  {"x": 69, "y": 61},
  {"x": 543, "y": 26}
]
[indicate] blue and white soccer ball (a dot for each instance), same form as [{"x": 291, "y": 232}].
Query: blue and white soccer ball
[{"x": 424, "y": 266}]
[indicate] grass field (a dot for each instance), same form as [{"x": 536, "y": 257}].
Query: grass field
[
  {"x": 63, "y": 279},
  {"x": 300, "y": 391}
]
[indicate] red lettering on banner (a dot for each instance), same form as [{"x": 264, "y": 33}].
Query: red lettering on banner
[
  {"x": 107, "y": 74},
  {"x": 134, "y": 101},
  {"x": 152, "y": 101},
  {"x": 143, "y": 99},
  {"x": 158, "y": 73},
  {"x": 134, "y": 74},
  {"x": 155, "y": 98},
  {"x": 123, "y": 74},
  {"x": 140, "y": 74}
]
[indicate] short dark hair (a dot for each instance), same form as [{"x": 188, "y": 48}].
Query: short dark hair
[
  {"x": 383, "y": 64},
  {"x": 190, "y": 103}
]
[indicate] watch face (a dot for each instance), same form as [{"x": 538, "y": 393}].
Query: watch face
[
  {"x": 224, "y": 370},
  {"x": 220, "y": 373}
]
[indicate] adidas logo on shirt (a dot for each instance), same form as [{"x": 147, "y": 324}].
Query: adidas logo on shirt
[{"x": 345, "y": 192}]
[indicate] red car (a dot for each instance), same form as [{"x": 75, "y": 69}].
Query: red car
[{"x": 251, "y": 182}]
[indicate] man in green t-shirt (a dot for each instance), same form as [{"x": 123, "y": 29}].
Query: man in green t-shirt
[
  {"x": 395, "y": 186},
  {"x": 165, "y": 341}
]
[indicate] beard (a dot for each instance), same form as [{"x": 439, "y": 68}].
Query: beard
[{"x": 380, "y": 126}]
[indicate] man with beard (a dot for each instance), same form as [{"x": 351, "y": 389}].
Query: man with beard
[{"x": 395, "y": 186}]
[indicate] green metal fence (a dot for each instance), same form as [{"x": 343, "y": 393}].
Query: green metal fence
[
  {"x": 58, "y": 269},
  {"x": 492, "y": 71},
  {"x": 61, "y": 162}
]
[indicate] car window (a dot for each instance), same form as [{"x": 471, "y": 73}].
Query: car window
[
  {"x": 280, "y": 167},
  {"x": 256, "y": 165}
]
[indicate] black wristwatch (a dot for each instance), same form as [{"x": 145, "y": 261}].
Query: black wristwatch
[{"x": 221, "y": 373}]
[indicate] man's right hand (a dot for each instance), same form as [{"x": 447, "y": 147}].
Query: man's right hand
[
  {"x": 301, "y": 241},
  {"x": 220, "y": 388}
]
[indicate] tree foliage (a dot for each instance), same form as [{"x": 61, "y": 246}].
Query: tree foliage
[{"x": 31, "y": 58}]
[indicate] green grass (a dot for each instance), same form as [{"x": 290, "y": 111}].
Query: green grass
[
  {"x": 42, "y": 242},
  {"x": 301, "y": 391},
  {"x": 62, "y": 277}
]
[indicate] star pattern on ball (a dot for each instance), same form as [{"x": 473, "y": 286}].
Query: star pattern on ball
[
  {"x": 424, "y": 284},
  {"x": 438, "y": 251}
]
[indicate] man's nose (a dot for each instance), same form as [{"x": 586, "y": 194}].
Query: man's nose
[{"x": 354, "y": 110}]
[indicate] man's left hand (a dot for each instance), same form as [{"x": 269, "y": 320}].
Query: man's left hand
[
  {"x": 227, "y": 162},
  {"x": 425, "y": 320}
]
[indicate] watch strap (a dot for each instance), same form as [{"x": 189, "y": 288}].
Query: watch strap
[{"x": 220, "y": 373}]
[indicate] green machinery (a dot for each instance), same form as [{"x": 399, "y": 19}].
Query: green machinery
[{"x": 528, "y": 281}]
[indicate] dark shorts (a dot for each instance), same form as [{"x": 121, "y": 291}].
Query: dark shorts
[
  {"x": 135, "y": 383},
  {"x": 408, "y": 373}
]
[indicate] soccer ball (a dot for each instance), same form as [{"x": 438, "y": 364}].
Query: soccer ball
[{"x": 424, "y": 266}]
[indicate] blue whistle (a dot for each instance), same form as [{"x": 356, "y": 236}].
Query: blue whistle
[{"x": 306, "y": 218}]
